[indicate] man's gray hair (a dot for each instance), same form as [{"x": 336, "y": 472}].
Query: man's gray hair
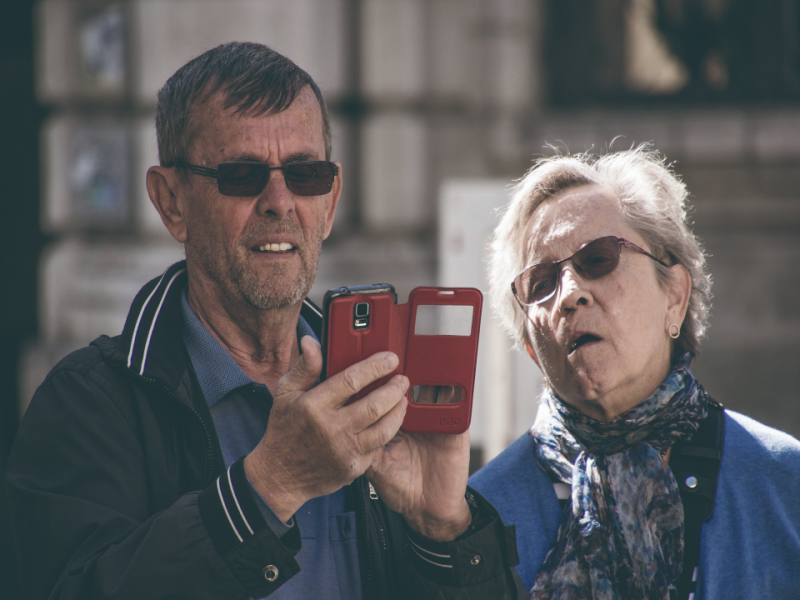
[
  {"x": 254, "y": 79},
  {"x": 653, "y": 202}
]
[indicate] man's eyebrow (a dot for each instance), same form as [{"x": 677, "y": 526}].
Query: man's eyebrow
[
  {"x": 296, "y": 157},
  {"x": 299, "y": 156},
  {"x": 244, "y": 157}
]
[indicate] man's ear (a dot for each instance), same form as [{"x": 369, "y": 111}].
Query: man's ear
[
  {"x": 164, "y": 190},
  {"x": 678, "y": 294},
  {"x": 331, "y": 201}
]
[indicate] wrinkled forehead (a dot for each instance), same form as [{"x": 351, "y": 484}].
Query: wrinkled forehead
[
  {"x": 221, "y": 104},
  {"x": 563, "y": 223},
  {"x": 217, "y": 121}
]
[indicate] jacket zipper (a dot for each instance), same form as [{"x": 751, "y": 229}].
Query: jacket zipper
[
  {"x": 209, "y": 446},
  {"x": 373, "y": 495},
  {"x": 363, "y": 501}
]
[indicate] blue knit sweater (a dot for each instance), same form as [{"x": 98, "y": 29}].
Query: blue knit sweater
[{"x": 749, "y": 549}]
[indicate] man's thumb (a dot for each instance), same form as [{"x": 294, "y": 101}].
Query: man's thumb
[{"x": 305, "y": 373}]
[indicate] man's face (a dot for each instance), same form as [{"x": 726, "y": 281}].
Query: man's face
[{"x": 262, "y": 250}]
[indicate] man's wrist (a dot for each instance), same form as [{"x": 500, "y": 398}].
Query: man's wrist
[
  {"x": 284, "y": 505},
  {"x": 274, "y": 522},
  {"x": 443, "y": 529}
]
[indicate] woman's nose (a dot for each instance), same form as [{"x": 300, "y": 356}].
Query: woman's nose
[{"x": 572, "y": 291}]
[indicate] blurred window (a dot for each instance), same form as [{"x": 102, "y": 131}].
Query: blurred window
[{"x": 672, "y": 51}]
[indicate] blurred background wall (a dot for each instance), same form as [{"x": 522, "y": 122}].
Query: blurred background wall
[{"x": 438, "y": 105}]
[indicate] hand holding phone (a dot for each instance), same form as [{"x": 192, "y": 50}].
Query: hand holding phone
[
  {"x": 435, "y": 336},
  {"x": 315, "y": 443}
]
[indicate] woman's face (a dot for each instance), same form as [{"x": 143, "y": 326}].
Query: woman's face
[{"x": 619, "y": 321}]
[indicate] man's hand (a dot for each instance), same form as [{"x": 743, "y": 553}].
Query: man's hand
[
  {"x": 424, "y": 477},
  {"x": 314, "y": 444}
]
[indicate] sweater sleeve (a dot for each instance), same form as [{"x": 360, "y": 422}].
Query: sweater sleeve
[{"x": 95, "y": 515}]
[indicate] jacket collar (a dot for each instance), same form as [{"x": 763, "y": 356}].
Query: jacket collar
[
  {"x": 152, "y": 345},
  {"x": 152, "y": 316}
]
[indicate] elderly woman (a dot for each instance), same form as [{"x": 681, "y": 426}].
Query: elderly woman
[{"x": 618, "y": 490}]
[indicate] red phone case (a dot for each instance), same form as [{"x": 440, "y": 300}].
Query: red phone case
[{"x": 424, "y": 359}]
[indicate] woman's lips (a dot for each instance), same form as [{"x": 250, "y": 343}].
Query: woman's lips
[{"x": 582, "y": 340}]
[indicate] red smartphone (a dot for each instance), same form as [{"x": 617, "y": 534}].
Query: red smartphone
[{"x": 434, "y": 335}]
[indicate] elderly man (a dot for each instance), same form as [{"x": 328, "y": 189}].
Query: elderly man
[{"x": 196, "y": 455}]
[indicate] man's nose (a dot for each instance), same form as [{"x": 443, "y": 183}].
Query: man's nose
[{"x": 275, "y": 199}]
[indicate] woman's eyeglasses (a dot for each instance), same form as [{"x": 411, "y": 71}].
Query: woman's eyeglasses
[
  {"x": 305, "y": 178},
  {"x": 593, "y": 260}
]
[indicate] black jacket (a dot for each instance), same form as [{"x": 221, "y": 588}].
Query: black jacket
[{"x": 118, "y": 488}]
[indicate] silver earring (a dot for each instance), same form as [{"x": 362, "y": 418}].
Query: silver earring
[{"x": 677, "y": 332}]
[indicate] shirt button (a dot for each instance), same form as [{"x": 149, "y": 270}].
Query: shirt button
[
  {"x": 475, "y": 560},
  {"x": 270, "y": 573},
  {"x": 691, "y": 482}
]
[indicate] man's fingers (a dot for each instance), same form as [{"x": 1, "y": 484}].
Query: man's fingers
[
  {"x": 371, "y": 408},
  {"x": 426, "y": 394},
  {"x": 358, "y": 376},
  {"x": 384, "y": 429},
  {"x": 448, "y": 394},
  {"x": 306, "y": 371}
]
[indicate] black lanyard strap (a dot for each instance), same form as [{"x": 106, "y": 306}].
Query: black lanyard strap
[{"x": 695, "y": 465}]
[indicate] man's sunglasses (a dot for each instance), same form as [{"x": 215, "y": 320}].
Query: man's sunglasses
[
  {"x": 593, "y": 260},
  {"x": 306, "y": 178}
]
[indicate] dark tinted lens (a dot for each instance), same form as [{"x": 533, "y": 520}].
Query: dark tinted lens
[
  {"x": 536, "y": 282},
  {"x": 310, "y": 178},
  {"x": 595, "y": 260},
  {"x": 242, "y": 179},
  {"x": 598, "y": 258}
]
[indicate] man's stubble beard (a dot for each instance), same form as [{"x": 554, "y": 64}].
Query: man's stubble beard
[
  {"x": 271, "y": 293},
  {"x": 263, "y": 296}
]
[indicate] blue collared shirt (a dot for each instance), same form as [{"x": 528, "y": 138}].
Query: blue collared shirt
[{"x": 240, "y": 410}]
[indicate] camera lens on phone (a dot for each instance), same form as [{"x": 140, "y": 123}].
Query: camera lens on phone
[{"x": 361, "y": 315}]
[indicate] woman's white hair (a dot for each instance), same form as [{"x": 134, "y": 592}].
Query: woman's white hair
[{"x": 653, "y": 202}]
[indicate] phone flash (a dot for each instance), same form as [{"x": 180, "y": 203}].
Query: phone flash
[{"x": 361, "y": 315}]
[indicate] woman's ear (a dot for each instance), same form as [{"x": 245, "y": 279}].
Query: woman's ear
[
  {"x": 164, "y": 190},
  {"x": 678, "y": 294}
]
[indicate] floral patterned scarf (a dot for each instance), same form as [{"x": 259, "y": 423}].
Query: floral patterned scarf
[{"x": 622, "y": 533}]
